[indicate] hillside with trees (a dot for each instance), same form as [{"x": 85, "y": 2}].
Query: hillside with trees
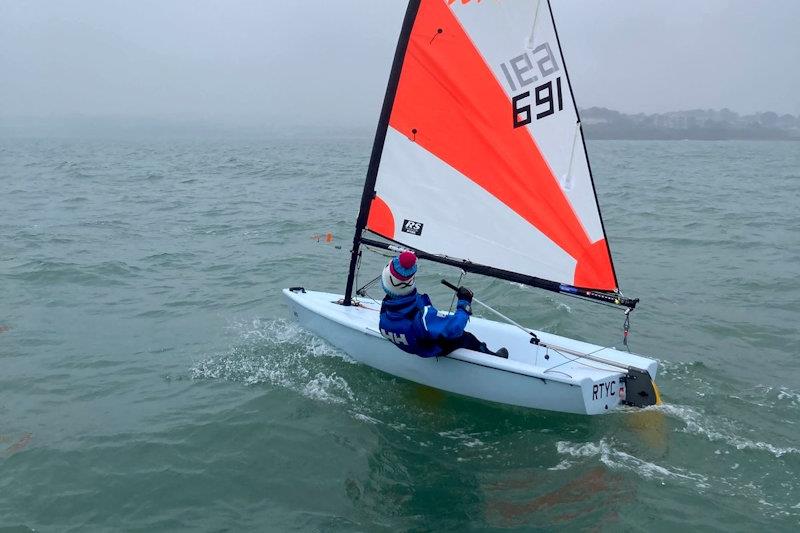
[{"x": 696, "y": 124}]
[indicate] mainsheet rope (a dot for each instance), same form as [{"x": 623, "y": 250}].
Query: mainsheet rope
[{"x": 460, "y": 279}]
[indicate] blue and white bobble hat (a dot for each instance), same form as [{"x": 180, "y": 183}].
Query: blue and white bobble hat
[{"x": 397, "y": 278}]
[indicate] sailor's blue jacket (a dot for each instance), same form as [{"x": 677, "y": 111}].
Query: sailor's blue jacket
[{"x": 415, "y": 326}]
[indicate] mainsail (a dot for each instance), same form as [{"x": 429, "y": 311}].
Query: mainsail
[{"x": 479, "y": 156}]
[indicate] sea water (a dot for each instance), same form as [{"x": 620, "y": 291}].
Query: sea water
[{"x": 151, "y": 377}]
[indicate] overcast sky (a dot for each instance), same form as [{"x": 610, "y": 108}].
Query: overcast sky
[{"x": 306, "y": 61}]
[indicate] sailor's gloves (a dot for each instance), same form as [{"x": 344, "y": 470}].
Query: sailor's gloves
[{"x": 464, "y": 294}]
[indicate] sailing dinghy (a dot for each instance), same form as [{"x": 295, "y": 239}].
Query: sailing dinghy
[{"x": 479, "y": 162}]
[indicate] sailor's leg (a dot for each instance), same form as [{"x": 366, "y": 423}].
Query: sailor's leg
[
  {"x": 467, "y": 340},
  {"x": 471, "y": 342}
]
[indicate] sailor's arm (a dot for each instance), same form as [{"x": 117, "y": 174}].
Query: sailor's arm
[{"x": 442, "y": 325}]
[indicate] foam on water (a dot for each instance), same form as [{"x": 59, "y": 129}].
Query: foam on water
[
  {"x": 789, "y": 396},
  {"x": 699, "y": 424},
  {"x": 618, "y": 459},
  {"x": 364, "y": 418},
  {"x": 464, "y": 438},
  {"x": 280, "y": 353},
  {"x": 330, "y": 388},
  {"x": 562, "y": 465}
]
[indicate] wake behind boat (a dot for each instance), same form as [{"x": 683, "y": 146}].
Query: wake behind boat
[{"x": 479, "y": 162}]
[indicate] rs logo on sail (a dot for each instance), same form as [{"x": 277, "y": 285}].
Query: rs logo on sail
[{"x": 412, "y": 227}]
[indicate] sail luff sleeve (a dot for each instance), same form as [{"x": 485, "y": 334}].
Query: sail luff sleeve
[{"x": 380, "y": 137}]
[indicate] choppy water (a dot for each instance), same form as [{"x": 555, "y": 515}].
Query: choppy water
[{"x": 150, "y": 377}]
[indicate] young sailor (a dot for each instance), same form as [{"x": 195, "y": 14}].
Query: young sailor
[{"x": 411, "y": 322}]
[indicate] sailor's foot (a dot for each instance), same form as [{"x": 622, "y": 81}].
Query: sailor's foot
[{"x": 502, "y": 352}]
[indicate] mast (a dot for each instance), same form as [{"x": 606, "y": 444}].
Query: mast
[{"x": 377, "y": 146}]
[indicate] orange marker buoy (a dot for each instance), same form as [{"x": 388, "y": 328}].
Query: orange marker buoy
[{"x": 327, "y": 237}]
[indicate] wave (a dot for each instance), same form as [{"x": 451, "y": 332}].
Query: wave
[
  {"x": 49, "y": 272},
  {"x": 279, "y": 353},
  {"x": 698, "y": 424},
  {"x": 789, "y": 396},
  {"x": 620, "y": 460},
  {"x": 465, "y": 438}
]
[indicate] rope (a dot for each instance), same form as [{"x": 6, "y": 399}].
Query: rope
[
  {"x": 453, "y": 301},
  {"x": 384, "y": 253},
  {"x": 565, "y": 356},
  {"x": 626, "y": 327},
  {"x": 363, "y": 290}
]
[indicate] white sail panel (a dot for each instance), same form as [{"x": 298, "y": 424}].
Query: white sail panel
[
  {"x": 483, "y": 92},
  {"x": 526, "y": 29},
  {"x": 504, "y": 240}
]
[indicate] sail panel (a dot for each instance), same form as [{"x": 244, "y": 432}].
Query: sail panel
[
  {"x": 456, "y": 221},
  {"x": 463, "y": 175}
]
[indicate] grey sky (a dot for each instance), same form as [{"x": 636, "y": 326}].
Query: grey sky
[{"x": 328, "y": 61}]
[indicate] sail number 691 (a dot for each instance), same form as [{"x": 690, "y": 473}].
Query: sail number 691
[{"x": 543, "y": 95}]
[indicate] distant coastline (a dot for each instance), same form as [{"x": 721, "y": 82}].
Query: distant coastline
[
  {"x": 598, "y": 123},
  {"x": 696, "y": 124}
]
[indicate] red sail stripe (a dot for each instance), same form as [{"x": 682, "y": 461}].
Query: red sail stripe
[
  {"x": 380, "y": 219},
  {"x": 462, "y": 115}
]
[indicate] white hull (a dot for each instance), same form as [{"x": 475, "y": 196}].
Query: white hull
[{"x": 532, "y": 376}]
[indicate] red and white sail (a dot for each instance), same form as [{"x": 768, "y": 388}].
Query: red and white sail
[{"x": 484, "y": 158}]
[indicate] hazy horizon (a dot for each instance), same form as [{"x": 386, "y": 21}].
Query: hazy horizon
[{"x": 247, "y": 63}]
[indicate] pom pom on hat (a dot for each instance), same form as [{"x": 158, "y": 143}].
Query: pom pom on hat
[
  {"x": 404, "y": 265},
  {"x": 397, "y": 278}
]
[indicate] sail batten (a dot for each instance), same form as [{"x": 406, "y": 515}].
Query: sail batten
[{"x": 482, "y": 156}]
